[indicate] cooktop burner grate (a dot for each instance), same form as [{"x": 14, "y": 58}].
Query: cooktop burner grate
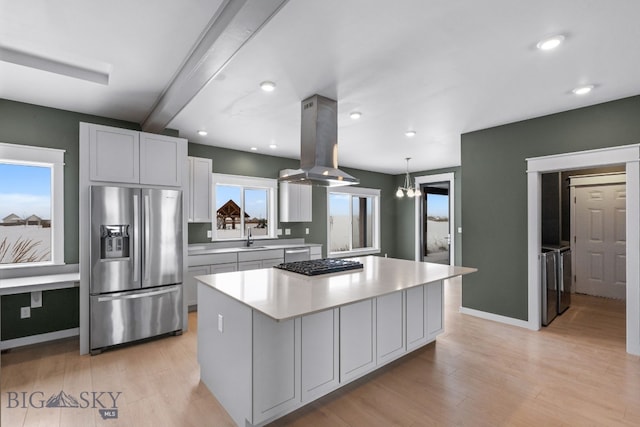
[{"x": 320, "y": 266}]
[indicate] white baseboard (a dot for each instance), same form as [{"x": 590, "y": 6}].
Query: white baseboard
[
  {"x": 36, "y": 339},
  {"x": 495, "y": 317}
]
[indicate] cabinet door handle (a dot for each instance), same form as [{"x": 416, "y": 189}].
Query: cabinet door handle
[{"x": 295, "y": 251}]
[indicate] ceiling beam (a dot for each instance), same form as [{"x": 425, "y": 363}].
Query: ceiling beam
[{"x": 235, "y": 23}]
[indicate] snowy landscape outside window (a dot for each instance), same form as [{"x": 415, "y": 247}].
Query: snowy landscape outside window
[
  {"x": 353, "y": 221},
  {"x": 30, "y": 206}
]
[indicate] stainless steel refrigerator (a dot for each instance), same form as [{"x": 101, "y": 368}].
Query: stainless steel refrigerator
[{"x": 136, "y": 264}]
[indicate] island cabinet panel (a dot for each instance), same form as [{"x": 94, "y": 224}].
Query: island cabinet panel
[
  {"x": 225, "y": 351},
  {"x": 114, "y": 154},
  {"x": 416, "y": 317},
  {"x": 390, "y": 327},
  {"x": 320, "y": 373},
  {"x": 435, "y": 320},
  {"x": 357, "y": 339},
  {"x": 276, "y": 366}
]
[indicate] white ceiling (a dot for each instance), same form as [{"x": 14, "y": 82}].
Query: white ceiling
[{"x": 442, "y": 68}]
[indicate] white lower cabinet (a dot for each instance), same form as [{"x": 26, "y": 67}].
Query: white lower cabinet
[
  {"x": 320, "y": 373},
  {"x": 390, "y": 327},
  {"x": 315, "y": 252},
  {"x": 224, "y": 268},
  {"x": 249, "y": 265},
  {"x": 435, "y": 319},
  {"x": 276, "y": 366},
  {"x": 191, "y": 285},
  {"x": 415, "y": 303},
  {"x": 253, "y": 260},
  {"x": 357, "y": 339}
]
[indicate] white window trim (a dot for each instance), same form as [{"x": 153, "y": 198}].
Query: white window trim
[
  {"x": 247, "y": 182},
  {"x": 358, "y": 191},
  {"x": 48, "y": 157}
]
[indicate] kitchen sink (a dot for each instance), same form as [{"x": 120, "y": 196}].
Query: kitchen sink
[{"x": 251, "y": 247}]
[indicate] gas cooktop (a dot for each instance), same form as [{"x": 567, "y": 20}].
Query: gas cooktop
[{"x": 320, "y": 266}]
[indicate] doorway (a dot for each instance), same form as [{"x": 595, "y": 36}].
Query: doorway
[
  {"x": 434, "y": 219},
  {"x": 629, "y": 156},
  {"x": 435, "y": 235}
]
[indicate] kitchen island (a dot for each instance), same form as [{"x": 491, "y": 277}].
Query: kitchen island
[{"x": 271, "y": 341}]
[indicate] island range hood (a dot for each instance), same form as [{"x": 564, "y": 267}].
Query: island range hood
[{"x": 319, "y": 146}]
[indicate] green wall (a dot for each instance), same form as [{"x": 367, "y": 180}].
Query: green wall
[
  {"x": 259, "y": 165},
  {"x": 405, "y": 214},
  {"x": 494, "y": 193}
]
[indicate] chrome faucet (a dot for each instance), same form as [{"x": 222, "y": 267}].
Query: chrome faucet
[{"x": 249, "y": 239}]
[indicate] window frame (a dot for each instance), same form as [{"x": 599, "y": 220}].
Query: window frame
[
  {"x": 246, "y": 182},
  {"x": 43, "y": 157},
  {"x": 357, "y": 192}
]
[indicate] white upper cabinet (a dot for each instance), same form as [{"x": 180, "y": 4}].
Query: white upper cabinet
[
  {"x": 114, "y": 154},
  {"x": 295, "y": 202},
  {"x": 200, "y": 182},
  {"x": 161, "y": 159},
  {"x": 122, "y": 155}
]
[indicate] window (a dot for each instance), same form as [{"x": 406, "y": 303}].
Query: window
[
  {"x": 353, "y": 221},
  {"x": 31, "y": 206},
  {"x": 243, "y": 203}
]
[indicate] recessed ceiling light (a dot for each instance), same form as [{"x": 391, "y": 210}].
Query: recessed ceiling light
[
  {"x": 254, "y": 148},
  {"x": 355, "y": 115},
  {"x": 268, "y": 86},
  {"x": 550, "y": 43},
  {"x": 583, "y": 90},
  {"x": 273, "y": 146},
  {"x": 202, "y": 132},
  {"x": 410, "y": 133}
]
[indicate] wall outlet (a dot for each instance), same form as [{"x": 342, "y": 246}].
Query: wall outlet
[
  {"x": 459, "y": 230},
  {"x": 209, "y": 234},
  {"x": 25, "y": 312},
  {"x": 287, "y": 231},
  {"x": 36, "y": 299},
  {"x": 279, "y": 232},
  {"x": 306, "y": 230},
  {"x": 220, "y": 323}
]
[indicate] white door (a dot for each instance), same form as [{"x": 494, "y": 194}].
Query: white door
[{"x": 600, "y": 243}]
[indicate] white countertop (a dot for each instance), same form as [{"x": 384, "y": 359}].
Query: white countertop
[
  {"x": 283, "y": 295},
  {"x": 257, "y": 246},
  {"x": 38, "y": 283}
]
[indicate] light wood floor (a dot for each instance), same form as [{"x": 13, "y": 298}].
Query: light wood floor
[{"x": 479, "y": 373}]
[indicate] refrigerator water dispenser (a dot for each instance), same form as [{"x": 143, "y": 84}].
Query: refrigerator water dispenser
[{"x": 114, "y": 241}]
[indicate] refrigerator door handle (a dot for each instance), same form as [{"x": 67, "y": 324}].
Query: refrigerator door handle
[
  {"x": 139, "y": 295},
  {"x": 146, "y": 237},
  {"x": 136, "y": 236}
]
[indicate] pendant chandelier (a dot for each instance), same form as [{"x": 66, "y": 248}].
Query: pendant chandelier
[{"x": 408, "y": 188}]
